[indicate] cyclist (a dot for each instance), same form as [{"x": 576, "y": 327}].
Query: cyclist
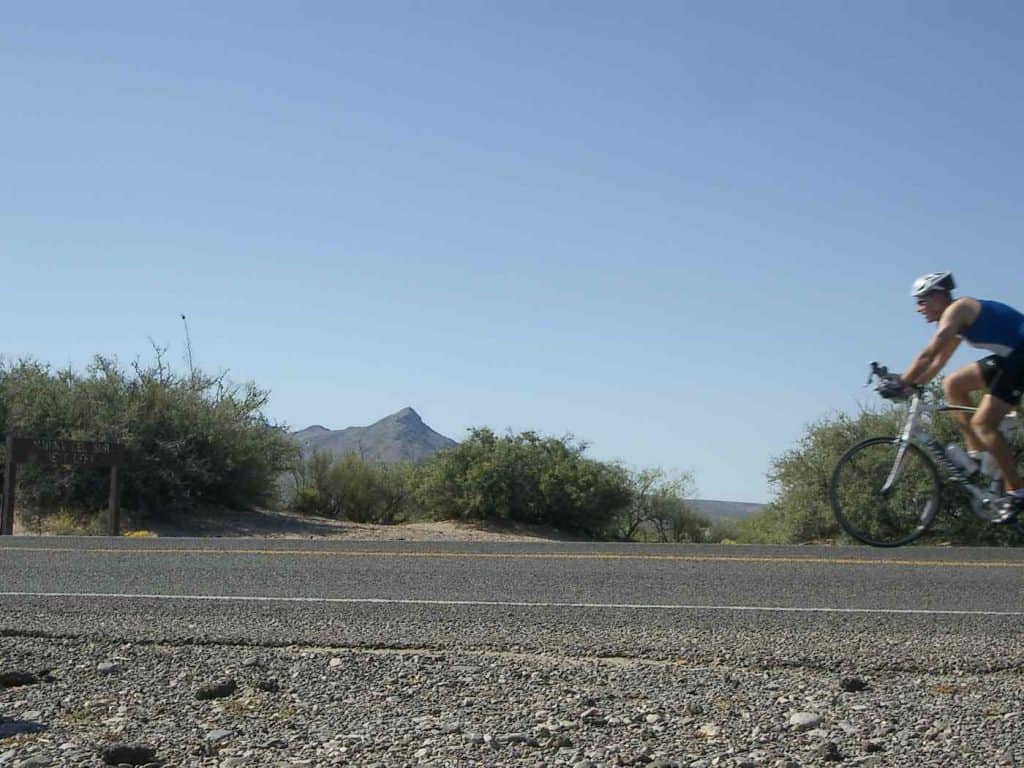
[{"x": 989, "y": 325}]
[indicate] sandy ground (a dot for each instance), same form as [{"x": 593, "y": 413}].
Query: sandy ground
[{"x": 286, "y": 525}]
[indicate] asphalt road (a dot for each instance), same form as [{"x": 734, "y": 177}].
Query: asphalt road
[{"x": 806, "y": 605}]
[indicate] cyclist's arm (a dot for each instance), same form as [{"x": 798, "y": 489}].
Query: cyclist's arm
[
  {"x": 940, "y": 360},
  {"x": 942, "y": 346}
]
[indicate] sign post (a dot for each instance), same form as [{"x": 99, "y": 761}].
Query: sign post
[
  {"x": 74, "y": 453},
  {"x": 7, "y": 503}
]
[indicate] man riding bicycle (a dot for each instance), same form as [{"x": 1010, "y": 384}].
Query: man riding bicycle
[{"x": 989, "y": 325}]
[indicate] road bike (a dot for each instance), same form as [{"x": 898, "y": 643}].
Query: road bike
[{"x": 886, "y": 491}]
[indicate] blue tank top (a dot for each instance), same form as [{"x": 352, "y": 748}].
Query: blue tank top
[{"x": 998, "y": 327}]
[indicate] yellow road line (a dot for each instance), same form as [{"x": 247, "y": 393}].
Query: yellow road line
[{"x": 783, "y": 559}]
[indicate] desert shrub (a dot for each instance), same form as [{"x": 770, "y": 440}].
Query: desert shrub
[
  {"x": 307, "y": 501},
  {"x": 658, "y": 508},
  {"x": 674, "y": 520},
  {"x": 190, "y": 440},
  {"x": 351, "y": 488},
  {"x": 524, "y": 478},
  {"x": 67, "y": 523},
  {"x": 724, "y": 531}
]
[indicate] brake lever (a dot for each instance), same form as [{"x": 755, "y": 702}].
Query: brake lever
[{"x": 877, "y": 370}]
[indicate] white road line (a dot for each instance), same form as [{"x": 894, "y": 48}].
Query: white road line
[{"x": 513, "y": 604}]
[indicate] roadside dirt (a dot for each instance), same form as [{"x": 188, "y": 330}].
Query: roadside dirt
[{"x": 274, "y": 524}]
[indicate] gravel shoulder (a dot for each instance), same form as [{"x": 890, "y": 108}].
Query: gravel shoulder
[{"x": 323, "y": 706}]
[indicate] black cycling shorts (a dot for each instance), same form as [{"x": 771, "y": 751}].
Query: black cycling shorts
[{"x": 1004, "y": 376}]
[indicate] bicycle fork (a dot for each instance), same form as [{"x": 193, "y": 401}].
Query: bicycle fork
[{"x": 909, "y": 428}]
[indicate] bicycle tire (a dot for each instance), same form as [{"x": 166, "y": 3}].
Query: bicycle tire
[{"x": 895, "y": 518}]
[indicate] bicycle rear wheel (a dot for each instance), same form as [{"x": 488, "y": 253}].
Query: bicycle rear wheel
[{"x": 880, "y": 516}]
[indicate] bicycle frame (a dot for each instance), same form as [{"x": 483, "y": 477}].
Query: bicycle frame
[{"x": 920, "y": 412}]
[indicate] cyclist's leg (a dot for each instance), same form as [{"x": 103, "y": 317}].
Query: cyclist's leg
[
  {"x": 985, "y": 425},
  {"x": 1005, "y": 390},
  {"x": 958, "y": 386}
]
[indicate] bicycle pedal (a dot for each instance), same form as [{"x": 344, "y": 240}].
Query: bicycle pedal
[{"x": 1006, "y": 510}]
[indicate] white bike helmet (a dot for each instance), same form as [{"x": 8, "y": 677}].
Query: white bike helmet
[{"x": 933, "y": 281}]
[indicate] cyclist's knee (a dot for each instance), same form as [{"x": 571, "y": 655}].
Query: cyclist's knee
[
  {"x": 983, "y": 427},
  {"x": 957, "y": 389}
]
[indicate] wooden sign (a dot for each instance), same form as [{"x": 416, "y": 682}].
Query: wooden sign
[{"x": 74, "y": 453}]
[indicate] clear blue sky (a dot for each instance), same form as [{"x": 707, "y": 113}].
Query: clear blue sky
[{"x": 678, "y": 230}]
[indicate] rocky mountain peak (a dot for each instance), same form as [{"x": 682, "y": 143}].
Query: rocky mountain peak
[
  {"x": 407, "y": 415},
  {"x": 402, "y": 436}
]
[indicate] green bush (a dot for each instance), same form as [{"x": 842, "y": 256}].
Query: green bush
[
  {"x": 674, "y": 520},
  {"x": 190, "y": 441},
  {"x": 658, "y": 507},
  {"x": 524, "y": 478},
  {"x": 308, "y": 501},
  {"x": 353, "y": 489},
  {"x": 725, "y": 531}
]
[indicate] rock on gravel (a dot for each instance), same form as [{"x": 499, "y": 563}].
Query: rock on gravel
[
  {"x": 804, "y": 721},
  {"x": 852, "y": 684},
  {"x": 217, "y": 690},
  {"x": 16, "y": 678},
  {"x": 128, "y": 754}
]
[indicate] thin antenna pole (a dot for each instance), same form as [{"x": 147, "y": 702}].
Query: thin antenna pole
[{"x": 188, "y": 349}]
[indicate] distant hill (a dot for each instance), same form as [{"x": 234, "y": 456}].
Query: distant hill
[
  {"x": 401, "y": 436},
  {"x": 720, "y": 510}
]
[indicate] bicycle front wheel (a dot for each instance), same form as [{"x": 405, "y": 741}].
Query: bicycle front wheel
[{"x": 880, "y": 503}]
